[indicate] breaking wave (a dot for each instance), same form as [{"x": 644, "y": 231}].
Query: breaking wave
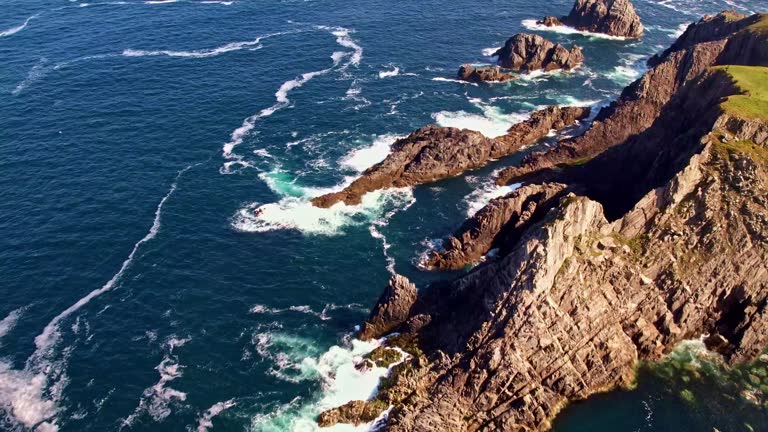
[
  {"x": 493, "y": 122},
  {"x": 531, "y": 24}
]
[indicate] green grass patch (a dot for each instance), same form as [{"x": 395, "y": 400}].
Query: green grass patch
[
  {"x": 756, "y": 152},
  {"x": 752, "y": 82}
]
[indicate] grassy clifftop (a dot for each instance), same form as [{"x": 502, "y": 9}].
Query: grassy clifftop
[{"x": 752, "y": 81}]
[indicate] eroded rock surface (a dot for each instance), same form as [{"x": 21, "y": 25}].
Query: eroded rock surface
[
  {"x": 392, "y": 309},
  {"x": 472, "y": 73},
  {"x": 611, "y": 17},
  {"x": 530, "y": 52},
  {"x": 727, "y": 38},
  {"x": 432, "y": 153}
]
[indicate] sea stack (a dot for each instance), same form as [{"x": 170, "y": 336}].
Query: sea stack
[
  {"x": 611, "y": 17},
  {"x": 529, "y": 52}
]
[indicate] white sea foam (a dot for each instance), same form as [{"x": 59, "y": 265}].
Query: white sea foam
[
  {"x": 390, "y": 73},
  {"x": 157, "y": 400},
  {"x": 488, "y": 52},
  {"x": 363, "y": 158},
  {"x": 282, "y": 101},
  {"x": 281, "y": 96},
  {"x": 531, "y": 24},
  {"x": 489, "y": 190},
  {"x": 342, "y": 382},
  {"x": 18, "y": 28},
  {"x": 492, "y": 122},
  {"x": 453, "y": 80},
  {"x": 631, "y": 68},
  {"x": 204, "y": 423},
  {"x": 10, "y": 320},
  {"x": 260, "y": 309},
  {"x": 295, "y": 211},
  {"x": 30, "y": 396}
]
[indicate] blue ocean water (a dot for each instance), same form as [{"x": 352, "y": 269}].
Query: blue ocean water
[{"x": 160, "y": 266}]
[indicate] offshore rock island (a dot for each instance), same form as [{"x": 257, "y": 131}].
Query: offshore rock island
[
  {"x": 648, "y": 229},
  {"x": 612, "y": 17}
]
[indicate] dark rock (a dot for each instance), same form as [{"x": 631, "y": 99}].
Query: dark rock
[
  {"x": 710, "y": 42},
  {"x": 432, "y": 153},
  {"x": 550, "y": 21},
  {"x": 611, "y": 17},
  {"x": 530, "y": 52},
  {"x": 392, "y": 309},
  {"x": 354, "y": 412},
  {"x": 484, "y": 74},
  {"x": 493, "y": 225}
]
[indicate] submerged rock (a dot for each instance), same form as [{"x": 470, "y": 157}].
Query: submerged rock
[
  {"x": 530, "y": 52},
  {"x": 611, "y": 17},
  {"x": 472, "y": 73}
]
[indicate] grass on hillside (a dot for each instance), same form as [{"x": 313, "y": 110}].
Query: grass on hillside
[{"x": 752, "y": 81}]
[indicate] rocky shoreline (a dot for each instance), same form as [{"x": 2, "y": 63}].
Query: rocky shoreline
[{"x": 648, "y": 229}]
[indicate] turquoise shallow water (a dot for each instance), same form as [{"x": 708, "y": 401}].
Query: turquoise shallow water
[{"x": 138, "y": 139}]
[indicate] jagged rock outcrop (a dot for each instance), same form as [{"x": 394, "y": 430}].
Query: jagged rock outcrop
[
  {"x": 392, "y": 309},
  {"x": 727, "y": 38},
  {"x": 495, "y": 226},
  {"x": 611, "y": 17},
  {"x": 579, "y": 296},
  {"x": 530, "y": 52},
  {"x": 432, "y": 153},
  {"x": 355, "y": 412},
  {"x": 472, "y": 73}
]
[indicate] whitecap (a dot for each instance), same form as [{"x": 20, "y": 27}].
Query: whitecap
[
  {"x": 204, "y": 53},
  {"x": 489, "y": 52},
  {"x": 18, "y": 28},
  {"x": 157, "y": 400},
  {"x": 390, "y": 73},
  {"x": 631, "y": 68},
  {"x": 493, "y": 122},
  {"x": 343, "y": 383},
  {"x": 532, "y": 24},
  {"x": 363, "y": 158},
  {"x": 204, "y": 423},
  {"x": 295, "y": 211},
  {"x": 453, "y": 80},
  {"x": 10, "y": 320},
  {"x": 489, "y": 190}
]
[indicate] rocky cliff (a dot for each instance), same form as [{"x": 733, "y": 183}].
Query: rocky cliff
[
  {"x": 727, "y": 38},
  {"x": 432, "y": 153},
  {"x": 611, "y": 17},
  {"x": 530, "y": 52},
  {"x": 592, "y": 278}
]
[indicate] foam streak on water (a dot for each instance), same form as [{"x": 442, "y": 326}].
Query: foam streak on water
[
  {"x": 18, "y": 28},
  {"x": 531, "y": 24},
  {"x": 281, "y": 97},
  {"x": 23, "y": 393}
]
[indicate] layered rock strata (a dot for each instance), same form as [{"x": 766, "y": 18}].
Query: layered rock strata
[
  {"x": 727, "y": 38},
  {"x": 590, "y": 283},
  {"x": 433, "y": 153}
]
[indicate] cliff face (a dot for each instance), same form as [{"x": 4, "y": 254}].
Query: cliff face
[
  {"x": 612, "y": 17},
  {"x": 727, "y": 38},
  {"x": 432, "y": 153},
  {"x": 592, "y": 277},
  {"x": 529, "y": 52}
]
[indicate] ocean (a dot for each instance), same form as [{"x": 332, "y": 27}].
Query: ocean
[{"x": 161, "y": 268}]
